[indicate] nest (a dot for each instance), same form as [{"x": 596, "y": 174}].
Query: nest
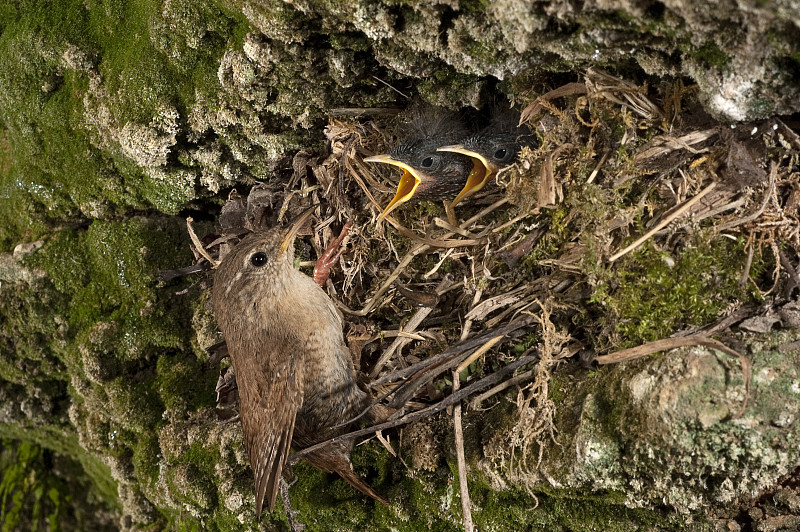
[{"x": 438, "y": 314}]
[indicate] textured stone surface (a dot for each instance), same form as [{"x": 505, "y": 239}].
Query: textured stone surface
[{"x": 669, "y": 429}]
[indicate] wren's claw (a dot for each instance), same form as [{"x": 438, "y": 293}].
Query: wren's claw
[
  {"x": 322, "y": 268},
  {"x": 291, "y": 514},
  {"x": 217, "y": 353}
]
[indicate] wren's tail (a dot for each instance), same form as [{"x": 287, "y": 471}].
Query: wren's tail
[{"x": 332, "y": 460}]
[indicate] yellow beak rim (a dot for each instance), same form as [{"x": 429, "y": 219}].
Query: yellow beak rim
[
  {"x": 288, "y": 240},
  {"x": 407, "y": 186},
  {"x": 482, "y": 171}
]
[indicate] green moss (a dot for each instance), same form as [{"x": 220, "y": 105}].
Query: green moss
[
  {"x": 91, "y": 472},
  {"x": 557, "y": 234},
  {"x": 477, "y": 7},
  {"x": 651, "y": 294},
  {"x": 201, "y": 456},
  {"x": 99, "y": 321},
  {"x": 109, "y": 273},
  {"x": 31, "y": 337},
  {"x": 528, "y": 341},
  {"x": 190, "y": 487},
  {"x": 184, "y": 383},
  {"x": 52, "y": 167},
  {"x": 132, "y": 405},
  {"x": 449, "y": 89},
  {"x": 652, "y": 22},
  {"x": 431, "y": 501},
  {"x": 332, "y": 504},
  {"x": 681, "y": 403},
  {"x": 152, "y": 55},
  {"x": 34, "y": 497},
  {"x": 711, "y": 54},
  {"x": 558, "y": 388},
  {"x": 20, "y": 215},
  {"x": 349, "y": 41},
  {"x": 99, "y": 334},
  {"x": 562, "y": 511},
  {"x": 146, "y": 456}
]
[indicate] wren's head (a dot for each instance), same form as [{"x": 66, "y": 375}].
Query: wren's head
[
  {"x": 427, "y": 174},
  {"x": 498, "y": 150},
  {"x": 490, "y": 152},
  {"x": 257, "y": 267}
]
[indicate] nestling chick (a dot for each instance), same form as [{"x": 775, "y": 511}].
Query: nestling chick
[
  {"x": 293, "y": 369},
  {"x": 491, "y": 150},
  {"x": 427, "y": 174}
]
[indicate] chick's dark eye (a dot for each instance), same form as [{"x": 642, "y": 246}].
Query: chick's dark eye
[
  {"x": 501, "y": 153},
  {"x": 427, "y": 162},
  {"x": 258, "y": 259}
]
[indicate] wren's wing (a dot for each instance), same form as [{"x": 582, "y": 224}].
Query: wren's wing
[{"x": 269, "y": 401}]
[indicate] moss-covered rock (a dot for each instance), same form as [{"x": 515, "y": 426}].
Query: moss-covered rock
[
  {"x": 680, "y": 428},
  {"x": 118, "y": 119}
]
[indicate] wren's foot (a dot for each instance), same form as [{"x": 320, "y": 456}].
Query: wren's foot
[
  {"x": 291, "y": 515},
  {"x": 217, "y": 353},
  {"x": 328, "y": 259}
]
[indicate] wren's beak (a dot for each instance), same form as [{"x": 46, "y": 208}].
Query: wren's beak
[
  {"x": 409, "y": 182},
  {"x": 288, "y": 240},
  {"x": 482, "y": 171}
]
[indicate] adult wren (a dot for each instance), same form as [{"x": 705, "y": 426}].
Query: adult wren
[{"x": 293, "y": 369}]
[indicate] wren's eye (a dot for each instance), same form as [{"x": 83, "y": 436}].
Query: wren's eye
[
  {"x": 258, "y": 259},
  {"x": 427, "y": 162},
  {"x": 501, "y": 153}
]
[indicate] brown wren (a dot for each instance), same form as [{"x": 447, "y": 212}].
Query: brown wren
[{"x": 293, "y": 369}]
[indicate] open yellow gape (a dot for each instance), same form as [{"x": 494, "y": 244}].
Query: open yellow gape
[
  {"x": 409, "y": 182},
  {"x": 482, "y": 171}
]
